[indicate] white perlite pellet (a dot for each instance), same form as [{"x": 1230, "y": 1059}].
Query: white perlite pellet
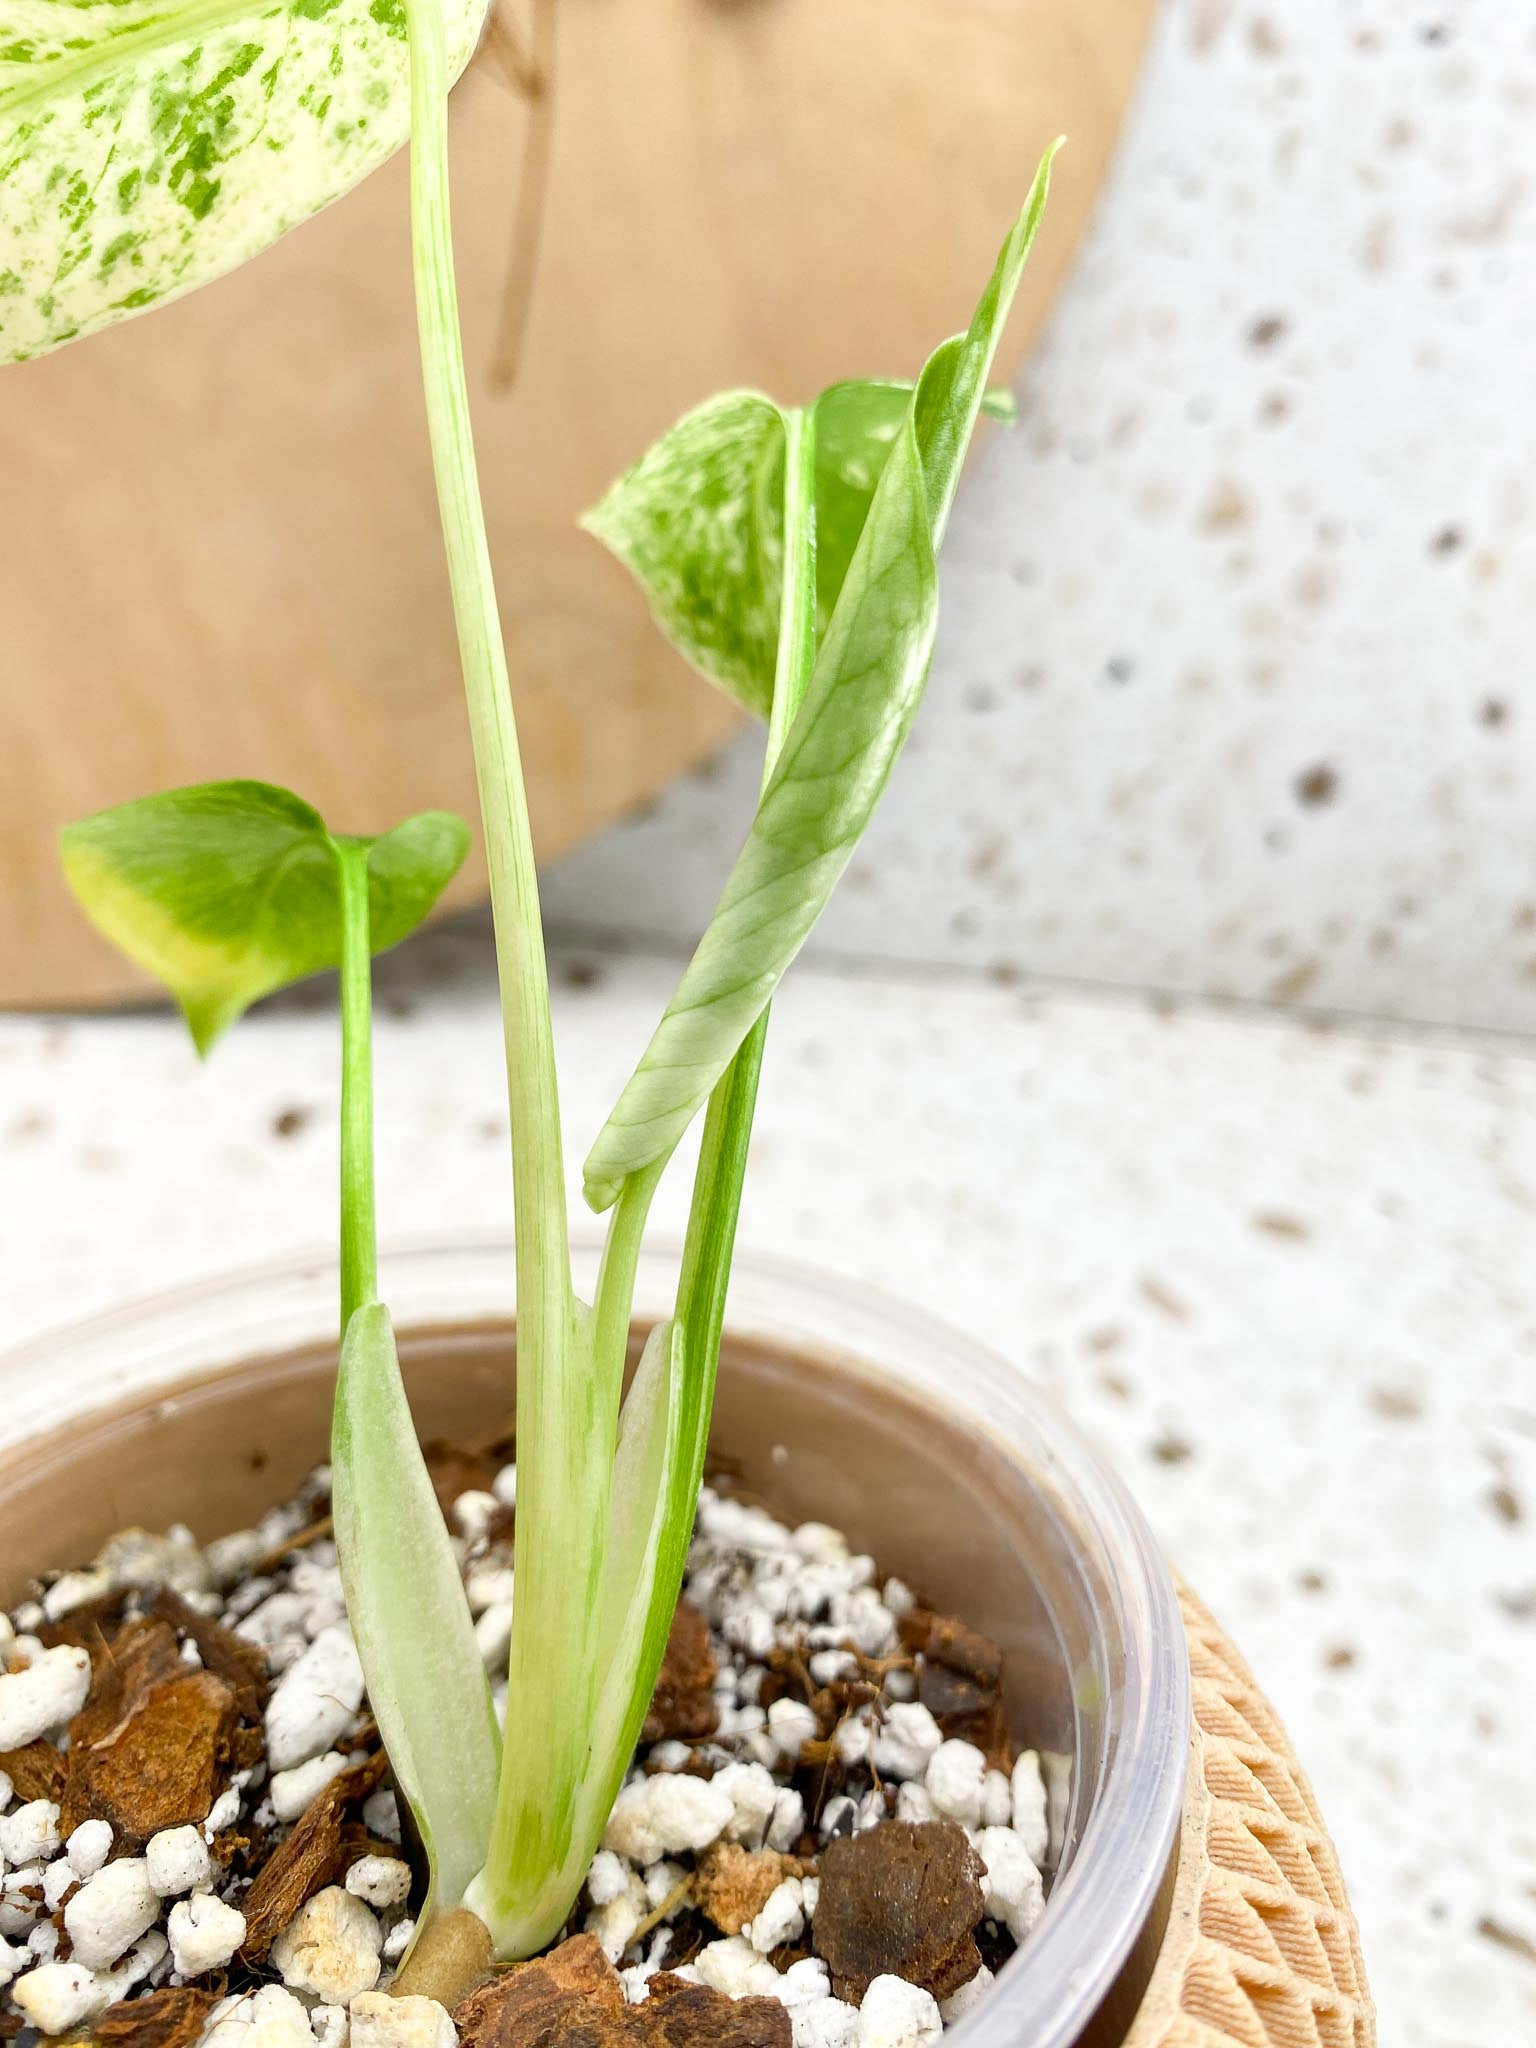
[
  {"x": 792, "y": 1724},
  {"x": 788, "y": 1821},
  {"x": 270, "y": 2018},
  {"x": 473, "y": 1513},
  {"x": 329, "y": 2024},
  {"x": 954, "y": 1781},
  {"x": 89, "y": 1847},
  {"x": 782, "y": 1918},
  {"x": 752, "y": 1794},
  {"x": 291, "y": 1791},
  {"x": 204, "y": 1932},
  {"x": 607, "y": 1879},
  {"x": 1030, "y": 1806},
  {"x": 110, "y": 1912},
  {"x": 177, "y": 1861},
  {"x": 1013, "y": 1888},
  {"x": 58, "y": 1996},
  {"x": 330, "y": 1947},
  {"x": 314, "y": 1700},
  {"x": 616, "y": 1924},
  {"x": 382, "y": 1882},
  {"x": 42, "y": 1696},
  {"x": 996, "y": 1801},
  {"x": 379, "y": 2021},
  {"x": 662, "y": 1816},
  {"x": 381, "y": 1815},
  {"x": 30, "y": 1833},
  {"x": 908, "y": 1738},
  {"x": 735, "y": 1967},
  {"x": 398, "y": 1940},
  {"x": 896, "y": 2014}
]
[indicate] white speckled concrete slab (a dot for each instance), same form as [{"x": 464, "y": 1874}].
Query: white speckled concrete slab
[
  {"x": 1283, "y": 1274},
  {"x": 1232, "y": 686}
]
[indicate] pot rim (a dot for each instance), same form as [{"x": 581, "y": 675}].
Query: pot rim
[{"x": 1106, "y": 1895}]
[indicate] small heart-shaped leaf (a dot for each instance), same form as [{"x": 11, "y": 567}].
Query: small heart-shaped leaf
[{"x": 229, "y": 890}]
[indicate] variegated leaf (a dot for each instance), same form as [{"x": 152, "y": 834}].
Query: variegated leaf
[{"x": 148, "y": 146}]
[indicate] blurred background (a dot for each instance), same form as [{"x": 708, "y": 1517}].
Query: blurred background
[{"x": 1172, "y": 1029}]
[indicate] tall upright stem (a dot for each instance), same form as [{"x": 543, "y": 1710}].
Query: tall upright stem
[
  {"x": 359, "y": 1233},
  {"x": 721, "y": 1171},
  {"x": 533, "y": 1103},
  {"x": 565, "y": 1427}
]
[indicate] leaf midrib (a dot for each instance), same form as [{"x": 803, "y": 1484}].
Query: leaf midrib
[{"x": 195, "y": 18}]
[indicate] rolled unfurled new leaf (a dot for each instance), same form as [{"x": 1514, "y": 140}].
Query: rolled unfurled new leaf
[
  {"x": 866, "y": 684},
  {"x": 409, "y": 1617},
  {"x": 228, "y": 890},
  {"x": 148, "y": 146}
]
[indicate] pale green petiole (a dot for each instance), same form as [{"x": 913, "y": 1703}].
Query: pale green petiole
[
  {"x": 359, "y": 1230},
  {"x": 405, "y": 1598},
  {"x": 566, "y": 1411}
]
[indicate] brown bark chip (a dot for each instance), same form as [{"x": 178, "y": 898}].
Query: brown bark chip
[
  {"x": 150, "y": 1747},
  {"x": 732, "y": 1885},
  {"x": 950, "y": 1642},
  {"x": 172, "y": 2018},
  {"x": 240, "y": 1664},
  {"x": 36, "y": 1772},
  {"x": 572, "y": 1993},
  {"x": 572, "y": 1998},
  {"x": 304, "y": 1862},
  {"x": 902, "y": 1899},
  {"x": 683, "y": 1704},
  {"x": 678, "y": 2014},
  {"x": 960, "y": 1681}
]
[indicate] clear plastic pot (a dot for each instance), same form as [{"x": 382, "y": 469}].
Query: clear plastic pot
[{"x": 836, "y": 1403}]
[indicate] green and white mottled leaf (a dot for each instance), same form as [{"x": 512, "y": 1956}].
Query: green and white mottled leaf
[
  {"x": 228, "y": 890},
  {"x": 148, "y": 146},
  {"x": 696, "y": 521},
  {"x": 406, "y": 1606},
  {"x": 699, "y": 520},
  {"x": 867, "y": 681}
]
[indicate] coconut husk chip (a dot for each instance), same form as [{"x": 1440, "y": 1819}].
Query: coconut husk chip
[
  {"x": 902, "y": 1899},
  {"x": 683, "y": 1705},
  {"x": 572, "y": 1998},
  {"x": 152, "y": 1744},
  {"x": 240, "y": 1664},
  {"x": 172, "y": 2018},
  {"x": 731, "y": 1885},
  {"x": 307, "y": 1860},
  {"x": 678, "y": 2014},
  {"x": 572, "y": 1989},
  {"x": 960, "y": 1681},
  {"x": 35, "y": 1772}
]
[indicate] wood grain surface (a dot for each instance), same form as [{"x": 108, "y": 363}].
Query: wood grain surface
[{"x": 218, "y": 548}]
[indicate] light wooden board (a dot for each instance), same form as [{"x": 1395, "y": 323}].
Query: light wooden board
[{"x": 218, "y": 550}]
